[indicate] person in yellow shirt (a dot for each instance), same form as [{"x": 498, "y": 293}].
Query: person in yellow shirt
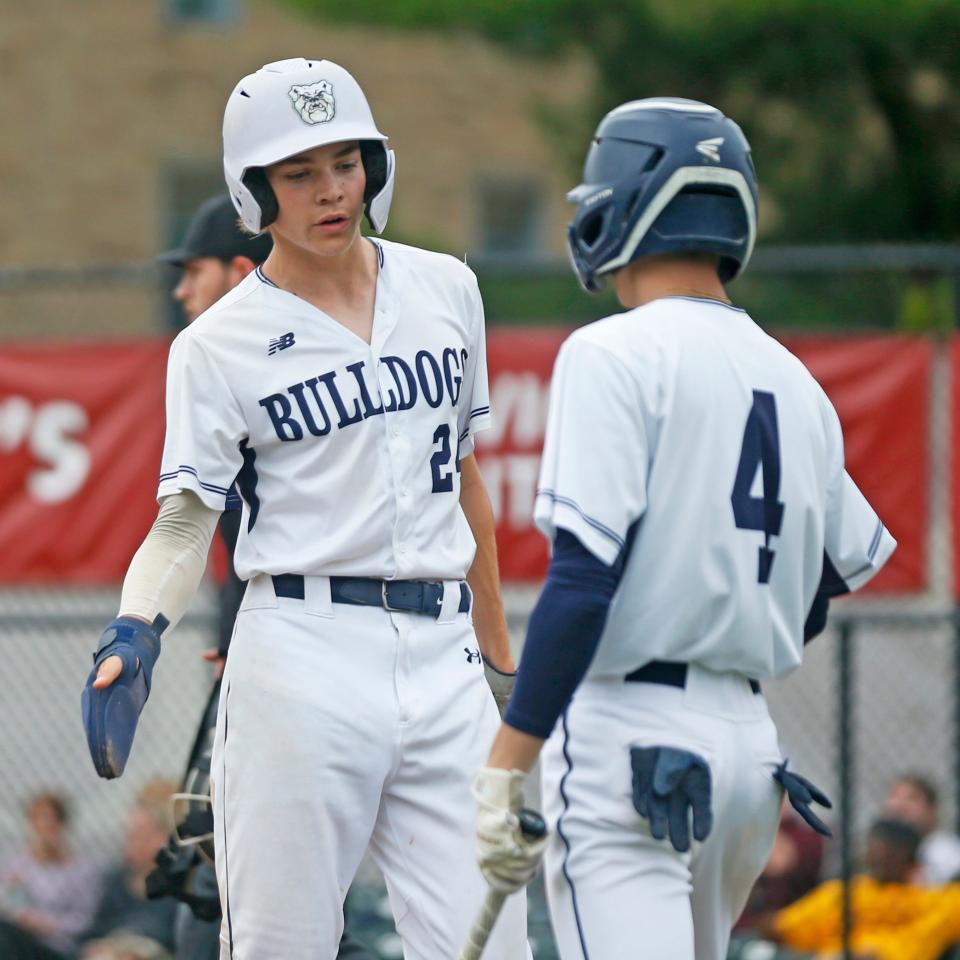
[{"x": 892, "y": 919}]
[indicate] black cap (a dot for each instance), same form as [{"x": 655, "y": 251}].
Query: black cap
[{"x": 214, "y": 232}]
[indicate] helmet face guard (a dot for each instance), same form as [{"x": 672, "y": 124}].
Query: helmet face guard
[
  {"x": 663, "y": 176},
  {"x": 286, "y": 108}
]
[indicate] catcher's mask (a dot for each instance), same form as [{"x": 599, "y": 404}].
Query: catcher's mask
[
  {"x": 184, "y": 866},
  {"x": 193, "y": 812},
  {"x": 193, "y": 805}
]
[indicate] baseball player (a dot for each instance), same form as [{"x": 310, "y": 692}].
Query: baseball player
[
  {"x": 216, "y": 254},
  {"x": 341, "y": 385},
  {"x": 693, "y": 488}
]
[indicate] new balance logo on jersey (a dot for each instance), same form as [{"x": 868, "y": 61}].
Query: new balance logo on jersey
[
  {"x": 711, "y": 148},
  {"x": 281, "y": 343},
  {"x": 472, "y": 655}
]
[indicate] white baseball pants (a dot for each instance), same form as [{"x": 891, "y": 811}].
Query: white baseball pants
[
  {"x": 615, "y": 893},
  {"x": 342, "y": 727}
]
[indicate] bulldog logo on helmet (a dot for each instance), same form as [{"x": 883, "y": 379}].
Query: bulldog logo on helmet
[{"x": 314, "y": 101}]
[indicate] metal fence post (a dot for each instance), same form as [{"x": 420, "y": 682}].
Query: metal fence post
[{"x": 846, "y": 777}]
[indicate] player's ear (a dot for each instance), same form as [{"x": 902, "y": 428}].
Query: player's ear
[{"x": 240, "y": 267}]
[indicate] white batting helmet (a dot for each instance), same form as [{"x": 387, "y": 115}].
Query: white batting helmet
[{"x": 295, "y": 105}]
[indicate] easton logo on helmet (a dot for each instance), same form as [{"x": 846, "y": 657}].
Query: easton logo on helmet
[
  {"x": 711, "y": 148},
  {"x": 314, "y": 101}
]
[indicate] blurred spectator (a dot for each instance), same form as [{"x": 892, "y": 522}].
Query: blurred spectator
[
  {"x": 914, "y": 800},
  {"x": 792, "y": 870},
  {"x": 47, "y": 895},
  {"x": 127, "y": 926},
  {"x": 894, "y": 919}
]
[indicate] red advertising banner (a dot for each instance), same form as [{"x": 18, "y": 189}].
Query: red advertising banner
[
  {"x": 879, "y": 385},
  {"x": 519, "y": 364},
  {"x": 81, "y": 432}
]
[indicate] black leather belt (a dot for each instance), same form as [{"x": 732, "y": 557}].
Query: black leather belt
[
  {"x": 669, "y": 673},
  {"x": 399, "y": 596}
]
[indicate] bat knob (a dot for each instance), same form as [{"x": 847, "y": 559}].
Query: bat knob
[{"x": 532, "y": 825}]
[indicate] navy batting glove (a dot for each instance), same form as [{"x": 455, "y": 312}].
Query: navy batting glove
[
  {"x": 801, "y": 793},
  {"x": 110, "y": 715},
  {"x": 669, "y": 785}
]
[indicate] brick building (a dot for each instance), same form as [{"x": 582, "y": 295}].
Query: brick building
[{"x": 111, "y": 113}]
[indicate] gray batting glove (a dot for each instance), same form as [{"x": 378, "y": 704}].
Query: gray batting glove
[
  {"x": 507, "y": 857},
  {"x": 501, "y": 685}
]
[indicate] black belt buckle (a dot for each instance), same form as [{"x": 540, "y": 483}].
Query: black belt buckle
[
  {"x": 401, "y": 601},
  {"x": 412, "y": 596}
]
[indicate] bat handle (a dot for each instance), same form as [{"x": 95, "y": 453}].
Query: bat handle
[
  {"x": 532, "y": 826},
  {"x": 480, "y": 932}
]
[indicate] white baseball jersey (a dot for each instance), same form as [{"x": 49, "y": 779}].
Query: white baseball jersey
[
  {"x": 346, "y": 454},
  {"x": 682, "y": 427},
  {"x": 346, "y": 457}
]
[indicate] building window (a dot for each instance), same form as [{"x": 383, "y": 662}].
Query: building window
[
  {"x": 201, "y": 11},
  {"x": 510, "y": 216}
]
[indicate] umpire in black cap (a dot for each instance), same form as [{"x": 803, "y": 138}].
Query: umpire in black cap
[{"x": 214, "y": 257}]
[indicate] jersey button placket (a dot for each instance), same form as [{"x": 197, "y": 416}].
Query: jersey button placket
[{"x": 398, "y": 452}]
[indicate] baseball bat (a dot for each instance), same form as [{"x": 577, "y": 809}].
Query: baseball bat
[{"x": 532, "y": 825}]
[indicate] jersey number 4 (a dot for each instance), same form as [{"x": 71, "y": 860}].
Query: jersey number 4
[{"x": 761, "y": 449}]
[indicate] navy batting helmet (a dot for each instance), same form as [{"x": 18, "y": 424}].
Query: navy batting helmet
[{"x": 663, "y": 175}]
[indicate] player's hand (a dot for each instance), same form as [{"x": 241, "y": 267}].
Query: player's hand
[
  {"x": 668, "y": 785},
  {"x": 107, "y": 672},
  {"x": 219, "y": 661},
  {"x": 508, "y": 858},
  {"x": 111, "y": 668},
  {"x": 113, "y": 697},
  {"x": 501, "y": 684},
  {"x": 35, "y": 922}
]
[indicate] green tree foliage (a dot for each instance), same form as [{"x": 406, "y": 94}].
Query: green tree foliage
[{"x": 852, "y": 106}]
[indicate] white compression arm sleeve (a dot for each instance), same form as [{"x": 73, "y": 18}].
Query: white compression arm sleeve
[{"x": 165, "y": 572}]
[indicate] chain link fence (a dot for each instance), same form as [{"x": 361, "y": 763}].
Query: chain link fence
[
  {"x": 878, "y": 695},
  {"x": 829, "y": 287},
  {"x": 46, "y": 641}
]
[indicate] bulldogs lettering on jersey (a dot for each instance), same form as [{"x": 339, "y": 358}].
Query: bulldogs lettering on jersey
[
  {"x": 309, "y": 419},
  {"x": 315, "y": 406}
]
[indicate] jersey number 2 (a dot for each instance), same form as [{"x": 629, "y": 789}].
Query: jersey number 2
[
  {"x": 442, "y": 481},
  {"x": 761, "y": 448}
]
